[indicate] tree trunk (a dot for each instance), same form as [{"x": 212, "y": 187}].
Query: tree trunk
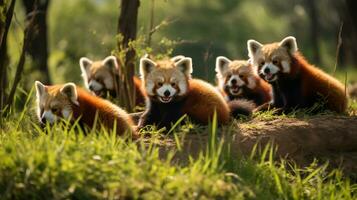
[
  {"x": 38, "y": 44},
  {"x": 351, "y": 6},
  {"x": 314, "y": 29},
  {"x": 127, "y": 28},
  {"x": 4, "y": 59},
  {"x": 28, "y": 33},
  {"x": 349, "y": 34}
]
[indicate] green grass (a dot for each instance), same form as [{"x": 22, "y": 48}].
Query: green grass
[
  {"x": 350, "y": 72},
  {"x": 60, "y": 162}
]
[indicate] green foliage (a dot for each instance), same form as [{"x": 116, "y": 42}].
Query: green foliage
[
  {"x": 80, "y": 28},
  {"x": 199, "y": 29},
  {"x": 3, "y": 9}
]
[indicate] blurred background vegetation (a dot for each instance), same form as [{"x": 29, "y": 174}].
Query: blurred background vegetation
[{"x": 201, "y": 29}]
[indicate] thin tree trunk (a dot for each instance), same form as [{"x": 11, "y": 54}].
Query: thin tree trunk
[
  {"x": 4, "y": 60},
  {"x": 20, "y": 67},
  {"x": 3, "y": 10},
  {"x": 38, "y": 44},
  {"x": 349, "y": 35},
  {"x": 127, "y": 27},
  {"x": 151, "y": 27}
]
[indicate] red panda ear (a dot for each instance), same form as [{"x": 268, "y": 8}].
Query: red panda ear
[
  {"x": 146, "y": 56},
  {"x": 69, "y": 89},
  {"x": 222, "y": 64},
  {"x": 146, "y": 66},
  {"x": 185, "y": 65},
  {"x": 85, "y": 65},
  {"x": 253, "y": 47},
  {"x": 40, "y": 89},
  {"x": 177, "y": 58},
  {"x": 290, "y": 44},
  {"x": 111, "y": 62}
]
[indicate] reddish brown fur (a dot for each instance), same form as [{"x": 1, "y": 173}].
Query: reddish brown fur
[
  {"x": 98, "y": 71},
  {"x": 140, "y": 94},
  {"x": 315, "y": 80},
  {"x": 199, "y": 101},
  {"x": 261, "y": 87},
  {"x": 90, "y": 106},
  {"x": 304, "y": 84},
  {"x": 202, "y": 100}
]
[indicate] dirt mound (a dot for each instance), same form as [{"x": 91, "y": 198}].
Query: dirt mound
[
  {"x": 332, "y": 138},
  {"x": 303, "y": 139}
]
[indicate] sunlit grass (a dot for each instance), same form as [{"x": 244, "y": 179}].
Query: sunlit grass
[{"x": 60, "y": 161}]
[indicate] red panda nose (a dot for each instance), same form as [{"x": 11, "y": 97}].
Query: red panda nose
[
  {"x": 267, "y": 70},
  {"x": 167, "y": 93},
  {"x": 91, "y": 87},
  {"x": 43, "y": 120},
  {"x": 234, "y": 81}
]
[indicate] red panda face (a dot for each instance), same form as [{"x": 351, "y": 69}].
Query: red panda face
[
  {"x": 234, "y": 75},
  {"x": 166, "y": 80},
  {"x": 272, "y": 60},
  {"x": 55, "y": 102},
  {"x": 99, "y": 76}
]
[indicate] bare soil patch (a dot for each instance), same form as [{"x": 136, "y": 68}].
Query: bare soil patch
[{"x": 327, "y": 138}]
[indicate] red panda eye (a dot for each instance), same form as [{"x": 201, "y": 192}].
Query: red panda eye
[
  {"x": 54, "y": 110},
  {"x": 262, "y": 63},
  {"x": 275, "y": 62},
  {"x": 173, "y": 84},
  {"x": 241, "y": 76},
  {"x": 159, "y": 84}
]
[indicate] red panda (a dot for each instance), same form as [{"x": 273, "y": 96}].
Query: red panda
[
  {"x": 99, "y": 77},
  {"x": 172, "y": 93},
  {"x": 238, "y": 80},
  {"x": 296, "y": 83},
  {"x": 68, "y": 101}
]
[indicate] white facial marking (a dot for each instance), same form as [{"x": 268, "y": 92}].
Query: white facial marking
[
  {"x": 183, "y": 87},
  {"x": 286, "y": 66},
  {"x": 95, "y": 85},
  {"x": 235, "y": 77},
  {"x": 272, "y": 68},
  {"x": 166, "y": 87},
  {"x": 166, "y": 93},
  {"x": 66, "y": 113},
  {"x": 49, "y": 116}
]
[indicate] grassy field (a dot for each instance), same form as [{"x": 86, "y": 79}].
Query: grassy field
[{"x": 60, "y": 162}]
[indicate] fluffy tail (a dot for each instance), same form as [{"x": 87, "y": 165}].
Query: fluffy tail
[{"x": 241, "y": 107}]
